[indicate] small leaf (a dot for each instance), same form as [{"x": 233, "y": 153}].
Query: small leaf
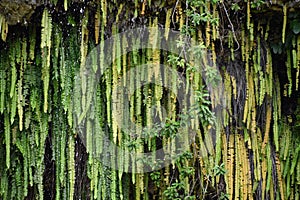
[
  {"x": 235, "y": 7},
  {"x": 295, "y": 25}
]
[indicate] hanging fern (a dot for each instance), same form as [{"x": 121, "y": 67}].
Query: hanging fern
[
  {"x": 250, "y": 150},
  {"x": 46, "y": 49}
]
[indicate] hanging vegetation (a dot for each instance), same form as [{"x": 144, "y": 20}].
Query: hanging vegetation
[{"x": 249, "y": 150}]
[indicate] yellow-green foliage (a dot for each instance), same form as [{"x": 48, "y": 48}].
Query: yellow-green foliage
[{"x": 251, "y": 152}]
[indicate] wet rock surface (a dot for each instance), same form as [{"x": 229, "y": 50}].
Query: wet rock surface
[{"x": 18, "y": 11}]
